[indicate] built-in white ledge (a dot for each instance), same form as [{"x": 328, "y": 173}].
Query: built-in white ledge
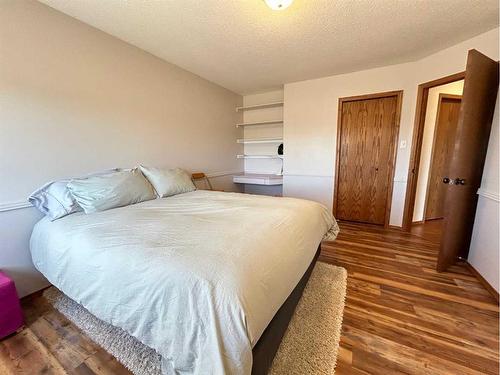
[
  {"x": 258, "y": 179},
  {"x": 489, "y": 194},
  {"x": 259, "y": 106},
  {"x": 259, "y": 156},
  {"x": 259, "y": 140},
  {"x": 258, "y": 123}
]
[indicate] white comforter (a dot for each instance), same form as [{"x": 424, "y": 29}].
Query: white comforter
[{"x": 197, "y": 276}]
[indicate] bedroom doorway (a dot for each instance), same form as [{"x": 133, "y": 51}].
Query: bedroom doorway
[
  {"x": 368, "y": 127},
  {"x": 448, "y": 107},
  {"x": 427, "y": 137},
  {"x": 438, "y": 141},
  {"x": 454, "y": 171}
]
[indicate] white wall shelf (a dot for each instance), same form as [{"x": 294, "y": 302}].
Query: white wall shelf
[
  {"x": 259, "y": 140},
  {"x": 259, "y": 123},
  {"x": 259, "y": 106},
  {"x": 259, "y": 156},
  {"x": 260, "y": 132},
  {"x": 258, "y": 179}
]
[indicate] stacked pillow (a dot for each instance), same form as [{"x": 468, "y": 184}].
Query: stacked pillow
[
  {"x": 118, "y": 189},
  {"x": 110, "y": 189},
  {"x": 168, "y": 182},
  {"x": 55, "y": 200}
]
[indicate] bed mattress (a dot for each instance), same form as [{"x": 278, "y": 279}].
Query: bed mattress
[{"x": 197, "y": 276}]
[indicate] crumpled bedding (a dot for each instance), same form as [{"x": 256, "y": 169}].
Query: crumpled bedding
[{"x": 197, "y": 276}]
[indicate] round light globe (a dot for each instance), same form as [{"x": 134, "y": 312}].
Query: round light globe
[{"x": 278, "y": 4}]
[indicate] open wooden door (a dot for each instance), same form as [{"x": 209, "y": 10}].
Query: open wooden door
[{"x": 467, "y": 160}]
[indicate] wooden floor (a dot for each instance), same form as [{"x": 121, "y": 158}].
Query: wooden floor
[
  {"x": 430, "y": 230},
  {"x": 50, "y": 344},
  {"x": 401, "y": 317}
]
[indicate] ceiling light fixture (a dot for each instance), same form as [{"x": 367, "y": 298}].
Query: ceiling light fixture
[{"x": 278, "y": 4}]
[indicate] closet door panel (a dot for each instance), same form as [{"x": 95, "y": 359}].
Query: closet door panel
[{"x": 365, "y": 159}]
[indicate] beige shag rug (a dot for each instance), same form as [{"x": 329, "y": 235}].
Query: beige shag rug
[{"x": 310, "y": 344}]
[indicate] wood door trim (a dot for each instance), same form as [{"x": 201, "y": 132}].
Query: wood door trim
[
  {"x": 394, "y": 142},
  {"x": 378, "y": 95},
  {"x": 438, "y": 114},
  {"x": 416, "y": 147},
  {"x": 443, "y": 95}
]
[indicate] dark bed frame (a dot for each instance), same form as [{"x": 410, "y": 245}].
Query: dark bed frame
[{"x": 267, "y": 346}]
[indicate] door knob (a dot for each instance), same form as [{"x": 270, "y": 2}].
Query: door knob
[{"x": 456, "y": 181}]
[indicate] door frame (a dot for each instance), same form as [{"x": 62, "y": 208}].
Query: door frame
[
  {"x": 416, "y": 147},
  {"x": 438, "y": 114},
  {"x": 394, "y": 144}
]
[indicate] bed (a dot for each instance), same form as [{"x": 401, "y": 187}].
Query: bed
[{"x": 207, "y": 279}]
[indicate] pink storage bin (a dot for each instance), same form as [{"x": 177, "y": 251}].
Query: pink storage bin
[{"x": 11, "y": 316}]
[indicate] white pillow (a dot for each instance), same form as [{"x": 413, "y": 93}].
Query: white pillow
[
  {"x": 55, "y": 200},
  {"x": 168, "y": 182},
  {"x": 117, "y": 189}
]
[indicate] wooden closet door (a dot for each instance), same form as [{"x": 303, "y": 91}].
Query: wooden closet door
[
  {"x": 442, "y": 149},
  {"x": 365, "y": 159}
]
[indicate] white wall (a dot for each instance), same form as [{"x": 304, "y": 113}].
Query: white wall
[
  {"x": 310, "y": 115},
  {"x": 485, "y": 248},
  {"x": 74, "y": 100},
  {"x": 454, "y": 88},
  {"x": 265, "y": 166},
  {"x": 311, "y": 128}
]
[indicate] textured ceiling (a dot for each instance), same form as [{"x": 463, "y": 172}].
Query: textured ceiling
[{"x": 246, "y": 47}]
